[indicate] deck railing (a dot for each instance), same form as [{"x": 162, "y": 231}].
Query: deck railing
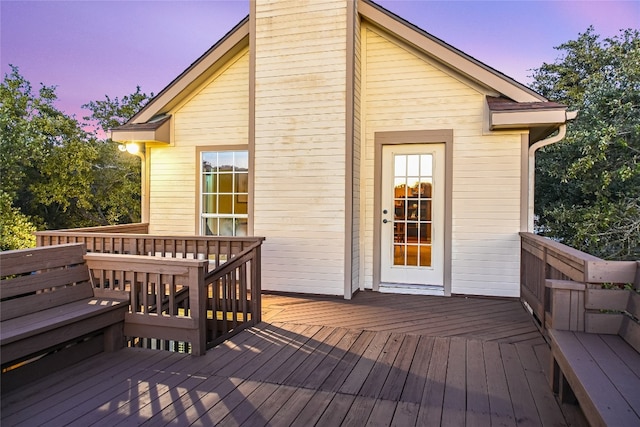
[
  {"x": 216, "y": 249},
  {"x": 543, "y": 258},
  {"x": 187, "y": 293}
]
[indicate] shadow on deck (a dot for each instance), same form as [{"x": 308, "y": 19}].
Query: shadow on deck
[{"x": 379, "y": 359}]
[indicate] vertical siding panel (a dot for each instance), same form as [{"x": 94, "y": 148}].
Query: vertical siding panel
[{"x": 300, "y": 152}]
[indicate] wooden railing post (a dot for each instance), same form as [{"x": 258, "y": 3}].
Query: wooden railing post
[
  {"x": 198, "y": 309},
  {"x": 566, "y": 311},
  {"x": 256, "y": 286}
]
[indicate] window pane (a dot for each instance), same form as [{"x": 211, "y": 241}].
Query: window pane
[
  {"x": 209, "y": 183},
  {"x": 241, "y": 204},
  {"x": 242, "y": 183},
  {"x": 241, "y": 227},
  {"x": 226, "y": 227},
  {"x": 209, "y": 204},
  {"x": 210, "y": 226},
  {"x": 241, "y": 161},
  {"x": 209, "y": 161},
  {"x": 226, "y": 183},
  {"x": 225, "y": 160},
  {"x": 225, "y": 204}
]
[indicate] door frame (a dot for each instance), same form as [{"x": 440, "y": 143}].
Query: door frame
[{"x": 441, "y": 136}]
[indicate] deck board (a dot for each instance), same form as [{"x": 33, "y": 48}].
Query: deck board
[{"x": 290, "y": 371}]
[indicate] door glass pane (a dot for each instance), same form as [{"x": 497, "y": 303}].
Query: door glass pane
[
  {"x": 413, "y": 165},
  {"x": 412, "y": 255},
  {"x": 413, "y": 178},
  {"x": 425, "y": 256}
]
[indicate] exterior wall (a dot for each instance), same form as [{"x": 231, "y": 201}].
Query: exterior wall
[
  {"x": 403, "y": 90},
  {"x": 300, "y": 133},
  {"x": 217, "y": 114}
]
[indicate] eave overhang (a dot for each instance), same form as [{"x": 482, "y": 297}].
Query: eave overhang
[
  {"x": 158, "y": 129},
  {"x": 541, "y": 118}
]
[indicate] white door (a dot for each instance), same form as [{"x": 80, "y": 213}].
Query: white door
[{"x": 412, "y": 217}]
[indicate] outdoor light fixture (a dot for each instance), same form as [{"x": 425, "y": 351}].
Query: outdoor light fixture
[{"x": 130, "y": 147}]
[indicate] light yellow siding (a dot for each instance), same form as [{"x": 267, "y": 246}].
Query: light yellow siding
[
  {"x": 403, "y": 90},
  {"x": 217, "y": 114},
  {"x": 300, "y": 133}
]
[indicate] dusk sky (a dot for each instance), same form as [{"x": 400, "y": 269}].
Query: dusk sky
[{"x": 89, "y": 49}]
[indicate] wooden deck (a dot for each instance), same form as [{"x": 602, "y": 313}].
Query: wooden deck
[{"x": 379, "y": 359}]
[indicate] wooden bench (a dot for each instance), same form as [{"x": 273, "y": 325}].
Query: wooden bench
[
  {"x": 595, "y": 348},
  {"x": 48, "y": 304}
]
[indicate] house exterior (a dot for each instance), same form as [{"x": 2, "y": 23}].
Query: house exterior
[{"x": 370, "y": 154}]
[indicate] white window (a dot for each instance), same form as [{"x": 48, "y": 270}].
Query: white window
[{"x": 224, "y": 193}]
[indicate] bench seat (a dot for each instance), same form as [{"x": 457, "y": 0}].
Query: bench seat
[
  {"x": 34, "y": 332},
  {"x": 50, "y": 314},
  {"x": 603, "y": 372}
]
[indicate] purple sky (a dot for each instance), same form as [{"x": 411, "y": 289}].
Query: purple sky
[{"x": 89, "y": 49}]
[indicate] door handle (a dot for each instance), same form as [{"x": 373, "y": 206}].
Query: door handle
[{"x": 385, "y": 221}]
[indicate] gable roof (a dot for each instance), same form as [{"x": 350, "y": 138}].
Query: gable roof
[{"x": 238, "y": 38}]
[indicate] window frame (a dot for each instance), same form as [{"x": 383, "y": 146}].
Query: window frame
[{"x": 243, "y": 197}]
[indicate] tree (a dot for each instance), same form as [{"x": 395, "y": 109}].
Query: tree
[
  {"x": 55, "y": 174},
  {"x": 111, "y": 113},
  {"x": 588, "y": 186},
  {"x": 16, "y": 230},
  {"x": 118, "y": 185},
  {"x": 44, "y": 154}
]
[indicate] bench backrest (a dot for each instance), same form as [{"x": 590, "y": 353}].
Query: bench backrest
[
  {"x": 612, "y": 311},
  {"x": 630, "y": 328},
  {"x": 36, "y": 279}
]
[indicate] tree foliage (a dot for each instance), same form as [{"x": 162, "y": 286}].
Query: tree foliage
[
  {"x": 55, "y": 174},
  {"x": 588, "y": 186}
]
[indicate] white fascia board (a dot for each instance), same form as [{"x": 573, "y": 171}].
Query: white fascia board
[{"x": 526, "y": 119}]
